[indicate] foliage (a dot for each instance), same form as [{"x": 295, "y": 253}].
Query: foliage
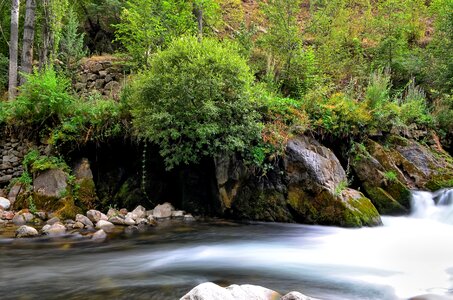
[
  {"x": 414, "y": 109},
  {"x": 443, "y": 114},
  {"x": 342, "y": 186},
  {"x": 35, "y": 163},
  {"x": 195, "y": 101},
  {"x": 391, "y": 176},
  {"x": 4, "y": 63}
]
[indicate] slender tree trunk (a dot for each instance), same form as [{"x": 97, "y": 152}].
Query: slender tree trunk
[
  {"x": 29, "y": 36},
  {"x": 47, "y": 35},
  {"x": 13, "y": 49},
  {"x": 199, "y": 15}
]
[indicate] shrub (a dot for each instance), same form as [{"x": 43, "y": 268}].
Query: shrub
[
  {"x": 414, "y": 109},
  {"x": 195, "y": 101},
  {"x": 4, "y": 63}
]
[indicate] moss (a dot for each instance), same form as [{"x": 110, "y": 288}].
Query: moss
[
  {"x": 384, "y": 202},
  {"x": 86, "y": 193},
  {"x": 440, "y": 182},
  {"x": 65, "y": 208}
]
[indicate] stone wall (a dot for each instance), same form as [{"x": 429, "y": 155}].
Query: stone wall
[
  {"x": 104, "y": 74},
  {"x": 12, "y": 151}
]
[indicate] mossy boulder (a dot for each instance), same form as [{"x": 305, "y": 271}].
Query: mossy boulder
[{"x": 86, "y": 189}]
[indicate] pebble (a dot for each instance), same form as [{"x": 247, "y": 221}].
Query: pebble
[
  {"x": 26, "y": 231},
  {"x": 99, "y": 236},
  {"x": 105, "y": 225}
]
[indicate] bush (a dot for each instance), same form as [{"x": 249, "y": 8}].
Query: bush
[
  {"x": 195, "y": 101},
  {"x": 4, "y": 64},
  {"x": 414, "y": 109}
]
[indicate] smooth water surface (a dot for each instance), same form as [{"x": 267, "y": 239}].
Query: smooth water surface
[{"x": 407, "y": 256}]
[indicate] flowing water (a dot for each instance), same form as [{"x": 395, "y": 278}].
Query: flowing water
[{"x": 408, "y": 256}]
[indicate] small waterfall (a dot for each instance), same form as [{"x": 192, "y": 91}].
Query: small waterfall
[{"x": 436, "y": 206}]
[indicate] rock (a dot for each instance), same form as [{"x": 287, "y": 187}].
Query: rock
[
  {"x": 4, "y": 203},
  {"x": 95, "y": 216},
  {"x": 211, "y": 291},
  {"x": 41, "y": 215},
  {"x": 5, "y": 178},
  {"x": 317, "y": 188},
  {"x": 53, "y": 220},
  {"x": 163, "y": 211},
  {"x": 87, "y": 189},
  {"x": 78, "y": 225},
  {"x": 99, "y": 236},
  {"x": 139, "y": 211},
  {"x": 117, "y": 220},
  {"x": 131, "y": 230},
  {"x": 46, "y": 227},
  {"x": 96, "y": 67},
  {"x": 55, "y": 229},
  {"x": 112, "y": 212},
  {"x": 8, "y": 215},
  {"x": 296, "y": 296},
  {"x": 189, "y": 218},
  {"x": 149, "y": 212},
  {"x": 82, "y": 169},
  {"x": 177, "y": 214},
  {"x": 102, "y": 74},
  {"x": 112, "y": 88},
  {"x": 142, "y": 221},
  {"x": 105, "y": 225},
  {"x": 132, "y": 216},
  {"x": 84, "y": 220},
  {"x": 51, "y": 183},
  {"x": 26, "y": 231},
  {"x": 123, "y": 211},
  {"x": 21, "y": 218},
  {"x": 129, "y": 221}
]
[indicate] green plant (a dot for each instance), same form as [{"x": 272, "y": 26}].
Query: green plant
[
  {"x": 391, "y": 176},
  {"x": 195, "y": 101},
  {"x": 35, "y": 163},
  {"x": 414, "y": 109},
  {"x": 31, "y": 205},
  {"x": 4, "y": 63},
  {"x": 341, "y": 187}
]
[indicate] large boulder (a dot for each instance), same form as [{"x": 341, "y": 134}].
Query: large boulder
[
  {"x": 86, "y": 193},
  {"x": 211, "y": 291},
  {"x": 317, "y": 188},
  {"x": 51, "y": 183}
]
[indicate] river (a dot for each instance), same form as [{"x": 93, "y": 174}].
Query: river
[{"x": 407, "y": 256}]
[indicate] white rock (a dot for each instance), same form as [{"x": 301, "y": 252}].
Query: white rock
[
  {"x": 248, "y": 291},
  {"x": 211, "y": 291},
  {"x": 53, "y": 221},
  {"x": 22, "y": 218},
  {"x": 149, "y": 212},
  {"x": 189, "y": 218},
  {"x": 55, "y": 229},
  {"x": 296, "y": 296},
  {"x": 46, "y": 227},
  {"x": 140, "y": 212},
  {"x": 99, "y": 236},
  {"x": 26, "y": 231},
  {"x": 95, "y": 215},
  {"x": 105, "y": 225},
  {"x": 117, "y": 220},
  {"x": 4, "y": 203},
  {"x": 78, "y": 225},
  {"x": 142, "y": 221},
  {"x": 208, "y": 291},
  {"x": 129, "y": 221},
  {"x": 163, "y": 210},
  {"x": 84, "y": 220},
  {"x": 132, "y": 216},
  {"x": 177, "y": 214}
]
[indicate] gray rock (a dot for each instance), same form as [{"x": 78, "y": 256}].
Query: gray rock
[
  {"x": 139, "y": 211},
  {"x": 42, "y": 215},
  {"x": 96, "y": 216},
  {"x": 4, "y": 203},
  {"x": 53, "y": 220},
  {"x": 149, "y": 212},
  {"x": 177, "y": 214},
  {"x": 51, "y": 183},
  {"x": 189, "y": 218},
  {"x": 129, "y": 221},
  {"x": 84, "y": 220},
  {"x": 211, "y": 291},
  {"x": 143, "y": 221},
  {"x": 105, "y": 225},
  {"x": 22, "y": 218},
  {"x": 99, "y": 236},
  {"x": 117, "y": 220},
  {"x": 82, "y": 169},
  {"x": 296, "y": 296},
  {"x": 5, "y": 178},
  {"x": 163, "y": 211},
  {"x": 55, "y": 229},
  {"x": 102, "y": 74},
  {"x": 26, "y": 231},
  {"x": 78, "y": 225}
]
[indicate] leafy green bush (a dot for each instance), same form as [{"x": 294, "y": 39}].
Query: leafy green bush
[
  {"x": 4, "y": 63},
  {"x": 195, "y": 101},
  {"x": 443, "y": 114},
  {"x": 414, "y": 109},
  {"x": 43, "y": 101}
]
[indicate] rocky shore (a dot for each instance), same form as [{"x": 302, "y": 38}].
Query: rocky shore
[{"x": 94, "y": 225}]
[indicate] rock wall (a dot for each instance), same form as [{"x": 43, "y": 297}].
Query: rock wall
[
  {"x": 104, "y": 74},
  {"x": 12, "y": 152}
]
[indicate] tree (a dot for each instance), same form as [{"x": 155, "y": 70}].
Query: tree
[
  {"x": 29, "y": 36},
  {"x": 13, "y": 49},
  {"x": 195, "y": 101}
]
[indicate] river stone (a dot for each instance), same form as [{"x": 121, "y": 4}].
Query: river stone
[
  {"x": 139, "y": 211},
  {"x": 123, "y": 211},
  {"x": 84, "y": 220},
  {"x": 129, "y": 221},
  {"x": 14, "y": 192},
  {"x": 117, "y": 220},
  {"x": 132, "y": 216},
  {"x": 105, "y": 225},
  {"x": 78, "y": 225},
  {"x": 163, "y": 211},
  {"x": 96, "y": 216},
  {"x": 51, "y": 183},
  {"x": 26, "y": 231},
  {"x": 8, "y": 215},
  {"x": 296, "y": 296},
  {"x": 21, "y": 218},
  {"x": 53, "y": 220},
  {"x": 4, "y": 203},
  {"x": 99, "y": 236},
  {"x": 42, "y": 215},
  {"x": 55, "y": 229},
  {"x": 189, "y": 218},
  {"x": 211, "y": 291},
  {"x": 177, "y": 214}
]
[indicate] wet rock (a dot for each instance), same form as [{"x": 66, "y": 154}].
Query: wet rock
[
  {"x": 26, "y": 231},
  {"x": 105, "y": 225},
  {"x": 117, "y": 220},
  {"x": 21, "y": 218},
  {"x": 211, "y": 291},
  {"x": 163, "y": 211},
  {"x": 189, "y": 218},
  {"x": 123, "y": 211},
  {"x": 84, "y": 220},
  {"x": 99, "y": 236},
  {"x": 131, "y": 230},
  {"x": 4, "y": 203},
  {"x": 129, "y": 221},
  {"x": 149, "y": 212},
  {"x": 143, "y": 221},
  {"x": 54, "y": 230},
  {"x": 78, "y": 225},
  {"x": 296, "y": 296},
  {"x": 84, "y": 178},
  {"x": 41, "y": 215},
  {"x": 177, "y": 214},
  {"x": 8, "y": 215},
  {"x": 53, "y": 220},
  {"x": 131, "y": 215},
  {"x": 95, "y": 216},
  {"x": 139, "y": 211}
]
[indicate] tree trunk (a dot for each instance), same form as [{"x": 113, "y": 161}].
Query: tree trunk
[
  {"x": 29, "y": 35},
  {"x": 47, "y": 36},
  {"x": 198, "y": 11},
  {"x": 13, "y": 50}
]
